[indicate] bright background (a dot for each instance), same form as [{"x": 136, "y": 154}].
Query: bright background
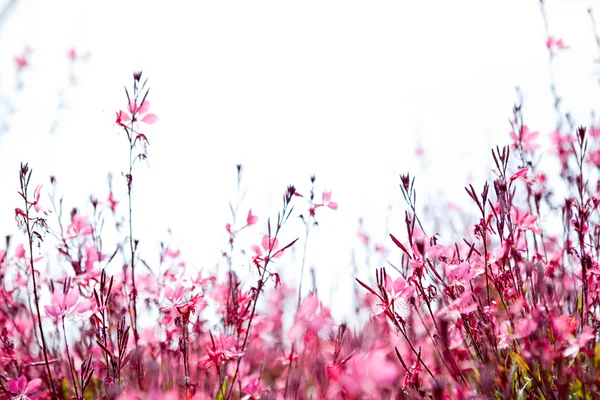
[{"x": 343, "y": 89}]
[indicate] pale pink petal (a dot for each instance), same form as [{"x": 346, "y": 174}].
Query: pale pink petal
[
  {"x": 20, "y": 251},
  {"x": 71, "y": 299},
  {"x": 333, "y": 205},
  {"x": 83, "y": 307},
  {"x": 143, "y": 109},
  {"x": 150, "y": 119},
  {"x": 33, "y": 386},
  {"x": 12, "y": 385},
  {"x": 266, "y": 241},
  {"x": 256, "y": 250},
  {"x": 124, "y": 116},
  {"x": 52, "y": 311},
  {"x": 36, "y": 193}
]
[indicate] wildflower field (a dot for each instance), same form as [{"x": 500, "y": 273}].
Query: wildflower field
[{"x": 506, "y": 308}]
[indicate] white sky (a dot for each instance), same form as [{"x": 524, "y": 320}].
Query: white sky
[{"x": 342, "y": 89}]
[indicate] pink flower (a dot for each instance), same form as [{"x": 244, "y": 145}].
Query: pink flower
[
  {"x": 553, "y": 44},
  {"x": 524, "y": 328},
  {"x": 525, "y": 221},
  {"x": 222, "y": 351},
  {"x": 576, "y": 344},
  {"x": 520, "y": 174},
  {"x": 525, "y": 139},
  {"x": 21, "y": 62},
  {"x": 461, "y": 273},
  {"x": 136, "y": 113},
  {"x": 270, "y": 246},
  {"x": 251, "y": 219},
  {"x": 327, "y": 201},
  {"x": 112, "y": 202},
  {"x": 64, "y": 305},
  {"x": 79, "y": 227},
  {"x": 23, "y": 389},
  {"x": 397, "y": 291},
  {"x": 36, "y": 200},
  {"x": 310, "y": 319},
  {"x": 177, "y": 299}
]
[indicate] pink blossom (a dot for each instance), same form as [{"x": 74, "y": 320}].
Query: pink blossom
[
  {"x": 524, "y": 327},
  {"x": 79, "y": 227},
  {"x": 525, "y": 139},
  {"x": 177, "y": 299},
  {"x": 112, "y": 202},
  {"x": 311, "y": 318},
  {"x": 136, "y": 113},
  {"x": 269, "y": 245},
  {"x": 36, "y": 200},
  {"x": 579, "y": 342},
  {"x": 64, "y": 305},
  {"x": 23, "y": 389},
  {"x": 327, "y": 201},
  {"x": 553, "y": 44},
  {"x": 222, "y": 351},
  {"x": 251, "y": 219},
  {"x": 520, "y": 174},
  {"x": 524, "y": 220}
]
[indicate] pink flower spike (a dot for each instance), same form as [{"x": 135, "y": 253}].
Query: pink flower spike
[{"x": 251, "y": 219}]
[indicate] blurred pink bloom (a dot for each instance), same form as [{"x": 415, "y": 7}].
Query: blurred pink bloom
[
  {"x": 461, "y": 273},
  {"x": 251, "y": 219},
  {"x": 520, "y": 174},
  {"x": 553, "y": 44},
  {"x": 524, "y": 220},
  {"x": 79, "y": 227},
  {"x": 177, "y": 299},
  {"x": 23, "y": 389},
  {"x": 67, "y": 305},
  {"x": 525, "y": 139},
  {"x": 269, "y": 245},
  {"x": 311, "y": 318},
  {"x": 524, "y": 328},
  {"x": 112, "y": 202},
  {"x": 327, "y": 201},
  {"x": 222, "y": 351},
  {"x": 36, "y": 200},
  {"x": 397, "y": 292},
  {"x": 576, "y": 344},
  {"x": 136, "y": 113}
]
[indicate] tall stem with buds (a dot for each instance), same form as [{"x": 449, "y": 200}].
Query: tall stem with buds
[{"x": 30, "y": 223}]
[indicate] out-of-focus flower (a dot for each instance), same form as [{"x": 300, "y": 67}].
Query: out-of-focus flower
[{"x": 22, "y": 389}]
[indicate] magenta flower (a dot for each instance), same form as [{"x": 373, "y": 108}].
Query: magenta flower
[
  {"x": 221, "y": 351},
  {"x": 112, "y": 202},
  {"x": 525, "y": 139},
  {"x": 251, "y": 219},
  {"x": 397, "y": 292},
  {"x": 177, "y": 299},
  {"x": 23, "y": 389},
  {"x": 553, "y": 44},
  {"x": 36, "y": 200},
  {"x": 327, "y": 201},
  {"x": 64, "y": 305},
  {"x": 136, "y": 113},
  {"x": 270, "y": 246},
  {"x": 525, "y": 221}
]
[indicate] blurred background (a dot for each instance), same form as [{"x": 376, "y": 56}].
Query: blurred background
[{"x": 353, "y": 92}]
